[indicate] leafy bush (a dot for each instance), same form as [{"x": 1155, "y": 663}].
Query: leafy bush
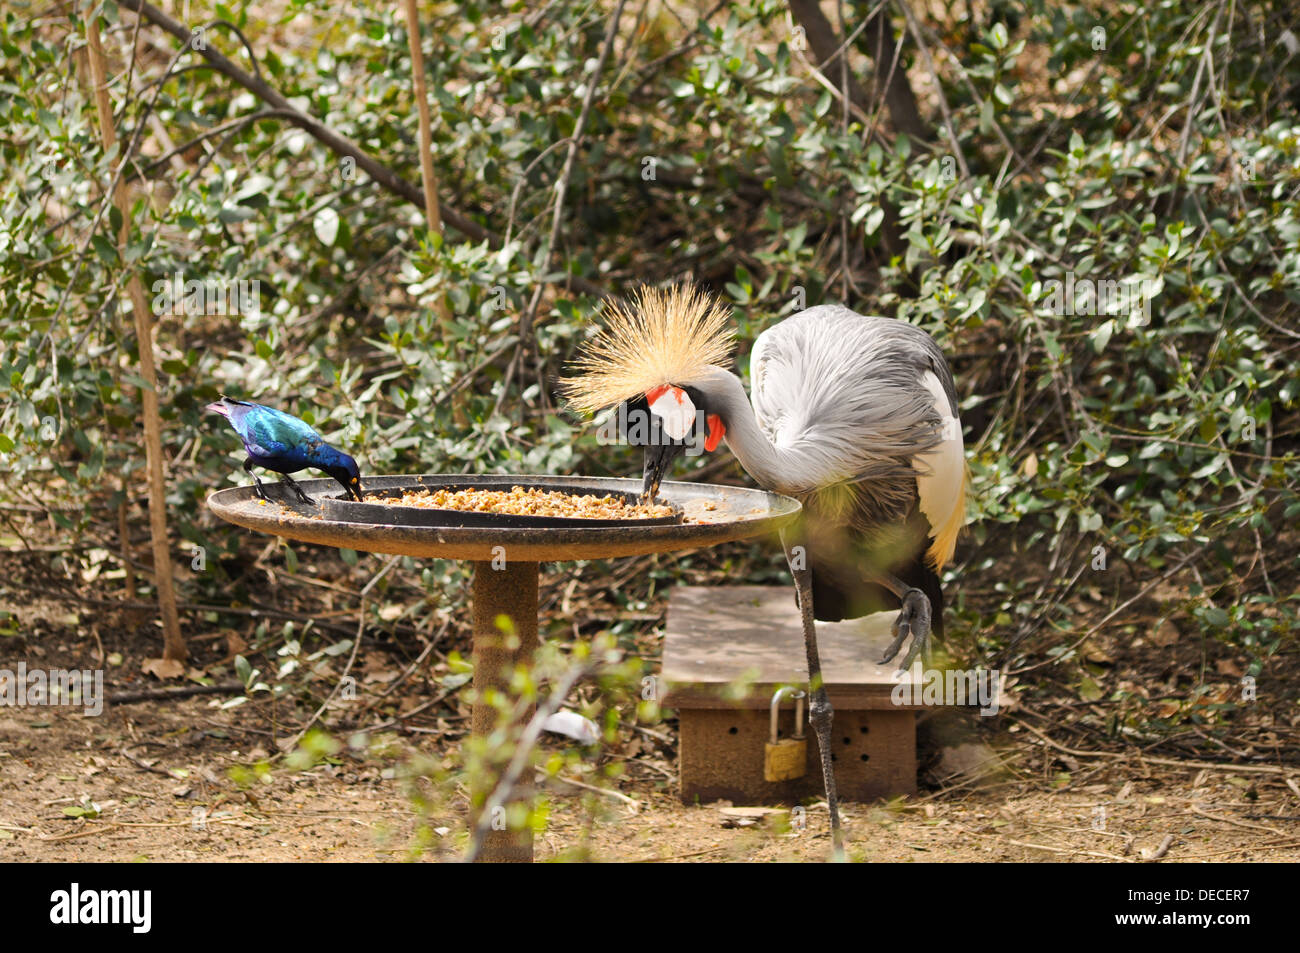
[{"x": 1156, "y": 147}]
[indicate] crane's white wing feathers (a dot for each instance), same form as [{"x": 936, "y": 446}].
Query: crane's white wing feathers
[
  {"x": 864, "y": 400},
  {"x": 941, "y": 478}
]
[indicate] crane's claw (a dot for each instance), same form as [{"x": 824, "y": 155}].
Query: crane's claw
[{"x": 914, "y": 620}]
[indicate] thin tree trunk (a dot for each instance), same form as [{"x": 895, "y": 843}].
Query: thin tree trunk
[
  {"x": 428, "y": 177},
  {"x": 899, "y": 98},
  {"x": 173, "y": 642},
  {"x": 825, "y": 44}
]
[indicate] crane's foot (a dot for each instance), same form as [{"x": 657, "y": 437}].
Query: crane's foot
[
  {"x": 914, "y": 620},
  {"x": 293, "y": 485},
  {"x": 821, "y": 714}
]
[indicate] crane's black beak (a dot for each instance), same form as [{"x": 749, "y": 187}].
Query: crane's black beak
[{"x": 658, "y": 464}]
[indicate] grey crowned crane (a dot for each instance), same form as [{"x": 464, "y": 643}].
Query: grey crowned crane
[{"x": 854, "y": 415}]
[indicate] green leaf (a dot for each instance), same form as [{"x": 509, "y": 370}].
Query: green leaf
[
  {"x": 873, "y": 220},
  {"x": 1214, "y": 466},
  {"x": 234, "y": 214},
  {"x": 326, "y": 226},
  {"x": 1089, "y": 690},
  {"x": 1216, "y": 617},
  {"x": 105, "y": 249},
  {"x": 1101, "y": 337}
]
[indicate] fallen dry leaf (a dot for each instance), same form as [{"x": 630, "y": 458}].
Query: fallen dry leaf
[
  {"x": 1166, "y": 634},
  {"x": 1095, "y": 653},
  {"x": 235, "y": 645},
  {"x": 163, "y": 668},
  {"x": 1227, "y": 666}
]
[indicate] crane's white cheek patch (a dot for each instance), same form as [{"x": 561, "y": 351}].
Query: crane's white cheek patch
[{"x": 675, "y": 411}]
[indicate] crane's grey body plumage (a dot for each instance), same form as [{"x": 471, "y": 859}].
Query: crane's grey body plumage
[
  {"x": 856, "y": 416},
  {"x": 865, "y": 408},
  {"x": 845, "y": 420}
]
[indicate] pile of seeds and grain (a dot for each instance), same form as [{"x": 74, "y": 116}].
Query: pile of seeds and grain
[{"x": 533, "y": 501}]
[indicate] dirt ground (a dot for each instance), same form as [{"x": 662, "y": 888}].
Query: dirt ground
[
  {"x": 175, "y": 779},
  {"x": 158, "y": 775}
]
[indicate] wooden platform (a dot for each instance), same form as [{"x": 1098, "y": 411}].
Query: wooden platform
[{"x": 728, "y": 648}]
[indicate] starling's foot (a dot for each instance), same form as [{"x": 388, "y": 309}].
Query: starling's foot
[
  {"x": 914, "y": 620},
  {"x": 257, "y": 481},
  {"x": 293, "y": 485}
]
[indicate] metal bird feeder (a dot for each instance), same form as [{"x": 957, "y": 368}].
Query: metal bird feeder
[{"x": 506, "y": 552}]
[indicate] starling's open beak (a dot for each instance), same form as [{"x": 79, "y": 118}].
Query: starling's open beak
[
  {"x": 658, "y": 464},
  {"x": 355, "y": 488},
  {"x": 218, "y": 408}
]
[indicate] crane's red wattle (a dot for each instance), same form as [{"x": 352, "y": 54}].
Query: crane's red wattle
[{"x": 717, "y": 430}]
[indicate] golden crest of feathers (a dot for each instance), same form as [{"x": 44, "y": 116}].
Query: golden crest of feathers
[{"x": 660, "y": 337}]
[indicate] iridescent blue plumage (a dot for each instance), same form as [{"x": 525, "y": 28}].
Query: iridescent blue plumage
[{"x": 281, "y": 442}]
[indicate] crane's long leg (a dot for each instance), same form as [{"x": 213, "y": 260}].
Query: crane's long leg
[
  {"x": 293, "y": 485},
  {"x": 260, "y": 490},
  {"x": 913, "y": 619},
  {"x": 820, "y": 712}
]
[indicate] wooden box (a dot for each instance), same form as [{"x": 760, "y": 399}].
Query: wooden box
[{"x": 727, "y": 649}]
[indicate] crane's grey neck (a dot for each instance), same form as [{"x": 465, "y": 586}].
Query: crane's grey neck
[{"x": 772, "y": 467}]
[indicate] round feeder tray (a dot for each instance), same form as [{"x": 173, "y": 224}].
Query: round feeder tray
[
  {"x": 710, "y": 515},
  {"x": 506, "y": 554}
]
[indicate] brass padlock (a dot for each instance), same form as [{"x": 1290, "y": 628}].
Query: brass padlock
[{"x": 786, "y": 758}]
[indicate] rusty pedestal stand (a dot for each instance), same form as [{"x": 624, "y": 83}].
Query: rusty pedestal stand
[
  {"x": 510, "y": 591},
  {"x": 713, "y": 514}
]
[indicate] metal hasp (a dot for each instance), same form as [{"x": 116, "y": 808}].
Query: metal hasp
[
  {"x": 712, "y": 515},
  {"x": 774, "y": 734},
  {"x": 785, "y": 758}
]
